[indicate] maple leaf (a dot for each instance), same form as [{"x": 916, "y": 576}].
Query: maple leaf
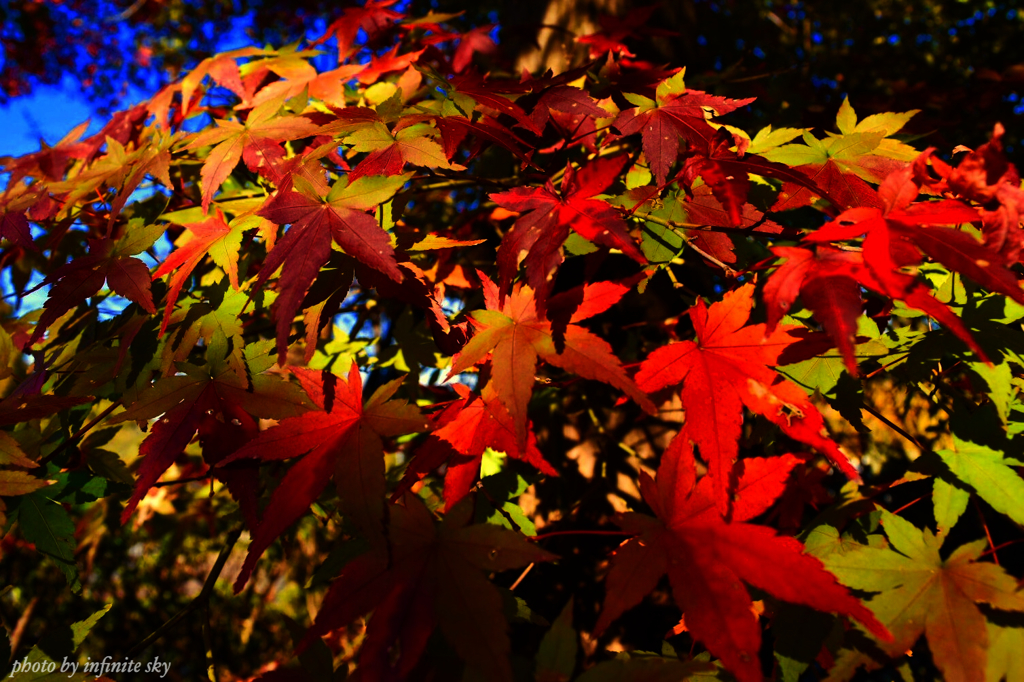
[
  {"x": 697, "y": 206},
  {"x": 183, "y": 404},
  {"x": 14, "y": 482},
  {"x": 389, "y": 152},
  {"x": 567, "y": 100},
  {"x": 254, "y": 139},
  {"x": 536, "y": 238},
  {"x": 389, "y": 62},
  {"x": 987, "y": 178},
  {"x": 213, "y": 237},
  {"x": 902, "y": 232},
  {"x": 122, "y": 169},
  {"x": 49, "y": 162},
  {"x": 731, "y": 361},
  {"x": 708, "y": 560},
  {"x": 461, "y": 434},
  {"x": 430, "y": 578},
  {"x": 373, "y": 17},
  {"x": 515, "y": 337},
  {"x": 901, "y": 224},
  {"x": 726, "y": 173},
  {"x": 919, "y": 592},
  {"x": 108, "y": 261},
  {"x": 328, "y": 87},
  {"x": 21, "y": 407},
  {"x": 674, "y": 112},
  {"x": 842, "y": 164},
  {"x": 343, "y": 440},
  {"x": 473, "y": 41},
  {"x": 454, "y": 130},
  {"x": 317, "y": 221},
  {"x": 471, "y": 91},
  {"x": 223, "y": 69},
  {"x": 14, "y": 228},
  {"x": 616, "y": 29},
  {"x": 827, "y": 281}
]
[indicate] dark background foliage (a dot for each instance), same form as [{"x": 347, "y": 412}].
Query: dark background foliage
[{"x": 960, "y": 62}]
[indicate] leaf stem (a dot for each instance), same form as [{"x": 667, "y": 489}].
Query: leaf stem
[
  {"x": 993, "y": 550},
  {"x": 988, "y": 535},
  {"x": 521, "y": 576},
  {"x": 908, "y": 505}
]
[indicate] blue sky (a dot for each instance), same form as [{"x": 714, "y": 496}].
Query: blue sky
[{"x": 49, "y": 112}]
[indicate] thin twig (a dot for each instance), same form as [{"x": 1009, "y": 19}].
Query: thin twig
[
  {"x": 675, "y": 227},
  {"x": 556, "y": 533},
  {"x": 82, "y": 431},
  {"x": 882, "y": 418},
  {"x": 201, "y": 600}
]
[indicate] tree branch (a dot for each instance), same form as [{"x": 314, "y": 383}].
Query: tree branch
[{"x": 201, "y": 600}]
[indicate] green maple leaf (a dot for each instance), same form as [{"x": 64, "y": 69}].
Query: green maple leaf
[
  {"x": 920, "y": 593},
  {"x": 861, "y": 152},
  {"x": 989, "y": 474}
]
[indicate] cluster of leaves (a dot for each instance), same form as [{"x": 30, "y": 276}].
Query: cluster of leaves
[{"x": 422, "y": 281}]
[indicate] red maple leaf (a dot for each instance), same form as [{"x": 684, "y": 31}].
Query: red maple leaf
[
  {"x": 675, "y": 112},
  {"x": 901, "y": 230},
  {"x": 616, "y": 29},
  {"x": 213, "y": 237},
  {"x": 726, "y": 172},
  {"x": 708, "y": 560},
  {"x": 108, "y": 261},
  {"x": 343, "y": 441},
  {"x": 473, "y": 41},
  {"x": 568, "y": 100},
  {"x": 22, "y": 407},
  {"x": 515, "y": 338},
  {"x": 315, "y": 222},
  {"x": 492, "y": 95},
  {"x": 223, "y": 69},
  {"x": 14, "y": 228},
  {"x": 254, "y": 140},
  {"x": 373, "y": 17},
  {"x": 827, "y": 179},
  {"x": 536, "y": 238},
  {"x": 901, "y": 234},
  {"x": 189, "y": 403},
  {"x": 454, "y": 130},
  {"x": 842, "y": 164},
  {"x": 729, "y": 366},
  {"x": 827, "y": 280},
  {"x": 428, "y": 577},
  {"x": 987, "y": 178},
  {"x": 462, "y": 431},
  {"x": 391, "y": 61}
]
